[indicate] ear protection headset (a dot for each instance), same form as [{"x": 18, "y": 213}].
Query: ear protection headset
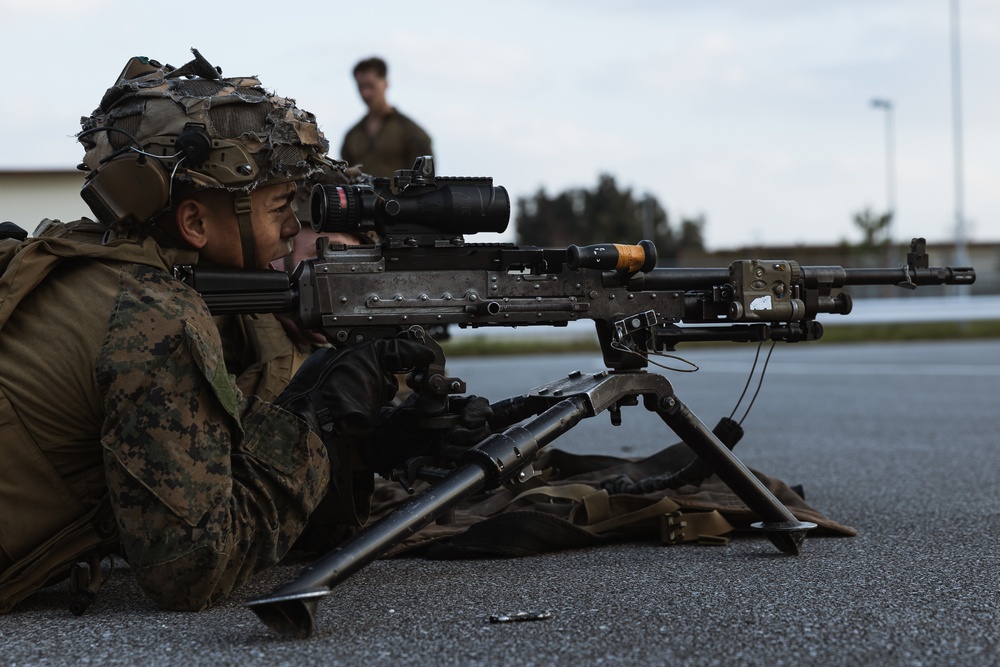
[{"x": 132, "y": 186}]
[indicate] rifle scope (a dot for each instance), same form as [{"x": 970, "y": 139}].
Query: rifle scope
[{"x": 453, "y": 206}]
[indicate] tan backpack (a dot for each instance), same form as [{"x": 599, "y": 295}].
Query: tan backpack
[{"x": 48, "y": 534}]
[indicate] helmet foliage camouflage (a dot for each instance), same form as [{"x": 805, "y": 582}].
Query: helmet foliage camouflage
[{"x": 201, "y": 128}]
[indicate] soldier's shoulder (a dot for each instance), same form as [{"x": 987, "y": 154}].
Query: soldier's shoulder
[
  {"x": 150, "y": 289},
  {"x": 161, "y": 283},
  {"x": 84, "y": 229},
  {"x": 154, "y": 315},
  {"x": 403, "y": 119}
]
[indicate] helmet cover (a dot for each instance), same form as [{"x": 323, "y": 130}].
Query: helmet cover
[{"x": 250, "y": 136}]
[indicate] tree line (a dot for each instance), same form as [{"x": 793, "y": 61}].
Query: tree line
[
  {"x": 609, "y": 213},
  {"x": 606, "y": 213}
]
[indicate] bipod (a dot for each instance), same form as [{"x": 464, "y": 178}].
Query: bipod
[
  {"x": 610, "y": 390},
  {"x": 290, "y": 610}
]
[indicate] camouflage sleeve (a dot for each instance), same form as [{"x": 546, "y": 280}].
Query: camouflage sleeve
[{"x": 208, "y": 488}]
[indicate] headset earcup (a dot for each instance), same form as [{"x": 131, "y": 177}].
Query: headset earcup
[{"x": 130, "y": 189}]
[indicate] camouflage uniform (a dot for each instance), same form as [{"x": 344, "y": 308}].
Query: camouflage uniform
[
  {"x": 114, "y": 371},
  {"x": 398, "y": 143}
]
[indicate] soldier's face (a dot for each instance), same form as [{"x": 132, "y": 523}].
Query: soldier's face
[
  {"x": 274, "y": 227},
  {"x": 274, "y": 221},
  {"x": 372, "y": 88}
]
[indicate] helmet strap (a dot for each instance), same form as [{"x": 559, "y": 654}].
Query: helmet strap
[{"x": 241, "y": 204}]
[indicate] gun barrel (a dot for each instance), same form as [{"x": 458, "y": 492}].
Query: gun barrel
[
  {"x": 935, "y": 275},
  {"x": 664, "y": 279}
]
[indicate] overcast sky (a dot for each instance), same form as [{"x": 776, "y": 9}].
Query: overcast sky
[{"x": 754, "y": 113}]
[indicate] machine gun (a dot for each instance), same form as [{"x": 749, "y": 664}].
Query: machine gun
[{"x": 423, "y": 274}]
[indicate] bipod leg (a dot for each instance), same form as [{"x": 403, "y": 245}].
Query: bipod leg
[
  {"x": 606, "y": 391},
  {"x": 778, "y": 523},
  {"x": 290, "y": 610}
]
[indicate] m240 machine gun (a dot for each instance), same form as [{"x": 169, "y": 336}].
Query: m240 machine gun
[{"x": 423, "y": 274}]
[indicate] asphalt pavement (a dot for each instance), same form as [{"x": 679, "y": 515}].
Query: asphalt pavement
[{"x": 896, "y": 440}]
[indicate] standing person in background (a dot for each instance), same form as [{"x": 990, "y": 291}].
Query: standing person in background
[{"x": 384, "y": 140}]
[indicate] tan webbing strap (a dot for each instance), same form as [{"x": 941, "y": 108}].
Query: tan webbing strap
[
  {"x": 241, "y": 204},
  {"x": 564, "y": 492},
  {"x": 677, "y": 525},
  {"x": 602, "y": 512},
  {"x": 702, "y": 526},
  {"x": 56, "y": 555}
]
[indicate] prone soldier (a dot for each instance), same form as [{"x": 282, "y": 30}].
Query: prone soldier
[{"x": 122, "y": 426}]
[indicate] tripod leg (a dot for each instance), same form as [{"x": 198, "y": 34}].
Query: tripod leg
[
  {"x": 778, "y": 523},
  {"x": 290, "y": 610}
]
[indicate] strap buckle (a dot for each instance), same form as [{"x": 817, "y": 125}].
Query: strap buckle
[
  {"x": 672, "y": 527},
  {"x": 704, "y": 527}
]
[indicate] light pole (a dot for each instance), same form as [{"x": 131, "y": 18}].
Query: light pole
[
  {"x": 890, "y": 168},
  {"x": 961, "y": 242}
]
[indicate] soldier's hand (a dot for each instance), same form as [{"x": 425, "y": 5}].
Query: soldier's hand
[
  {"x": 473, "y": 424},
  {"x": 400, "y": 435},
  {"x": 345, "y": 390}
]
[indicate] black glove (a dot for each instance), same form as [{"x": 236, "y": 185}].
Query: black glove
[
  {"x": 473, "y": 424},
  {"x": 8, "y": 230},
  {"x": 345, "y": 390},
  {"x": 401, "y": 437}
]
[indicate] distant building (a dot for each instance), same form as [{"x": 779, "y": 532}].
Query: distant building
[{"x": 27, "y": 196}]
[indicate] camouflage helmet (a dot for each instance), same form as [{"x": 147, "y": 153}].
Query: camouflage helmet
[{"x": 190, "y": 125}]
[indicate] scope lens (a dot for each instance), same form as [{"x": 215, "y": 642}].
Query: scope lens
[{"x": 332, "y": 208}]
